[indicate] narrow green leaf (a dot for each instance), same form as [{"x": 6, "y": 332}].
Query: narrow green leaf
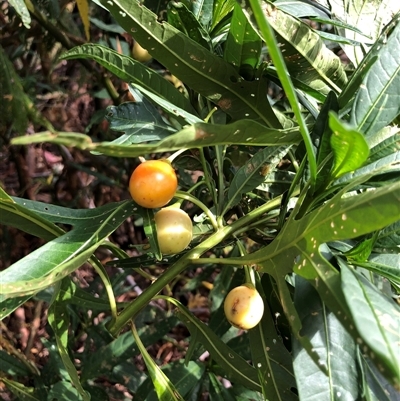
[
  {"x": 272, "y": 360},
  {"x": 184, "y": 376},
  {"x": 61, "y": 256},
  {"x": 183, "y": 19},
  {"x": 350, "y": 149},
  {"x": 165, "y": 390},
  {"x": 22, "y": 11},
  {"x": 129, "y": 70},
  {"x": 255, "y": 11},
  {"x": 8, "y": 305},
  {"x": 333, "y": 343},
  {"x": 252, "y": 174},
  {"x": 243, "y": 132},
  {"x": 235, "y": 367},
  {"x": 369, "y": 17},
  {"x": 58, "y": 318},
  {"x": 243, "y": 45},
  {"x": 305, "y": 54},
  {"x": 22, "y": 392},
  {"x": 139, "y": 120},
  {"x": 377, "y": 321},
  {"x": 194, "y": 65},
  {"x": 377, "y": 102}
]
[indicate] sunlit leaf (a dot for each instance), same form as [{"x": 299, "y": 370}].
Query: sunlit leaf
[{"x": 350, "y": 149}]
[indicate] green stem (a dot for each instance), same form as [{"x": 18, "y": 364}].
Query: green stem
[
  {"x": 248, "y": 271},
  {"x": 287, "y": 85},
  {"x": 200, "y": 204}
]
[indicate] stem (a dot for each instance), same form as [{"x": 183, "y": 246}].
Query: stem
[
  {"x": 248, "y": 271},
  {"x": 176, "y": 154},
  {"x": 200, "y": 204},
  {"x": 287, "y": 85}
]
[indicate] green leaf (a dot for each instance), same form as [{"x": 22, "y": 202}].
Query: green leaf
[
  {"x": 253, "y": 172},
  {"x": 242, "y": 132},
  {"x": 8, "y": 305},
  {"x": 22, "y": 392},
  {"x": 377, "y": 102},
  {"x": 389, "y": 238},
  {"x": 116, "y": 351},
  {"x": 129, "y": 70},
  {"x": 272, "y": 360},
  {"x": 18, "y": 214},
  {"x": 14, "y": 99},
  {"x": 22, "y": 11},
  {"x": 243, "y": 45},
  {"x": 194, "y": 65},
  {"x": 63, "y": 390},
  {"x": 350, "y": 149},
  {"x": 234, "y": 366},
  {"x": 183, "y": 19},
  {"x": 165, "y": 390},
  {"x": 168, "y": 107},
  {"x": 369, "y": 17},
  {"x": 376, "y": 319},
  {"x": 13, "y": 366},
  {"x": 305, "y": 54},
  {"x": 61, "y": 256},
  {"x": 333, "y": 343},
  {"x": 58, "y": 318},
  {"x": 185, "y": 378},
  {"x": 139, "y": 120}
]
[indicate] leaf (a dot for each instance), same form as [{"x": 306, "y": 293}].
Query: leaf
[
  {"x": 243, "y": 45},
  {"x": 253, "y": 172},
  {"x": 116, "y": 351},
  {"x": 242, "y": 132},
  {"x": 168, "y": 107},
  {"x": 9, "y": 305},
  {"x": 389, "y": 238},
  {"x": 129, "y": 70},
  {"x": 185, "y": 378},
  {"x": 350, "y": 150},
  {"x": 377, "y": 103},
  {"x": 58, "y": 317},
  {"x": 368, "y": 16},
  {"x": 63, "y": 390},
  {"x": 272, "y": 360},
  {"x": 140, "y": 121},
  {"x": 377, "y": 320},
  {"x": 194, "y": 65},
  {"x": 22, "y": 11},
  {"x": 13, "y": 98},
  {"x": 165, "y": 390},
  {"x": 22, "y": 392},
  {"x": 333, "y": 343},
  {"x": 183, "y": 19},
  {"x": 305, "y": 54},
  {"x": 61, "y": 256},
  {"x": 234, "y": 366},
  {"x": 16, "y": 214}
]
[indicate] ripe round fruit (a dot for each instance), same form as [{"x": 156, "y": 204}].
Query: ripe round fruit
[
  {"x": 174, "y": 230},
  {"x": 153, "y": 184},
  {"x": 244, "y": 307}
]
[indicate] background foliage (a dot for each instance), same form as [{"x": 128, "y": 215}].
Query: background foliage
[{"x": 283, "y": 116}]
